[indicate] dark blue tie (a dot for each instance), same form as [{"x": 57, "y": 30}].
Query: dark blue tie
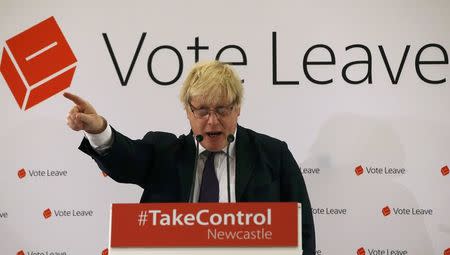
[{"x": 209, "y": 189}]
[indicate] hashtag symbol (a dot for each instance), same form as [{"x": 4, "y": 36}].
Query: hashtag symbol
[{"x": 142, "y": 219}]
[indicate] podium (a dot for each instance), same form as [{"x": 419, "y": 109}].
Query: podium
[{"x": 205, "y": 228}]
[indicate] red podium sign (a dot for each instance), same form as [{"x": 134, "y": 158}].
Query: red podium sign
[{"x": 205, "y": 224}]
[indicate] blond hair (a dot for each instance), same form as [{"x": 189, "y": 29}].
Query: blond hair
[{"x": 215, "y": 82}]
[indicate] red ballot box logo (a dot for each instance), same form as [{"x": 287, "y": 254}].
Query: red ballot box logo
[
  {"x": 20, "y": 252},
  {"x": 445, "y": 171},
  {"x": 37, "y": 63},
  {"x": 47, "y": 213},
  {"x": 361, "y": 251},
  {"x": 386, "y": 211},
  {"x": 359, "y": 170},
  {"x": 21, "y": 173},
  {"x": 105, "y": 251}
]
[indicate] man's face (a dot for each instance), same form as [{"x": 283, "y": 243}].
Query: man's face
[{"x": 213, "y": 127}]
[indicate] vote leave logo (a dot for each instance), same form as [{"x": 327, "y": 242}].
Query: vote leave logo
[
  {"x": 445, "y": 171},
  {"x": 37, "y": 63},
  {"x": 21, "y": 173},
  {"x": 359, "y": 170},
  {"x": 447, "y": 251},
  {"x": 386, "y": 211},
  {"x": 47, "y": 213},
  {"x": 20, "y": 252},
  {"x": 361, "y": 251}
]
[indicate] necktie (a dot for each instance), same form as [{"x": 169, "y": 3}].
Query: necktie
[{"x": 209, "y": 189}]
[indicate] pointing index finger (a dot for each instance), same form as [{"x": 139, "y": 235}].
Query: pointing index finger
[{"x": 74, "y": 98}]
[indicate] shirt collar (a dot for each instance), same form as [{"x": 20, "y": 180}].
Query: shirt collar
[{"x": 201, "y": 149}]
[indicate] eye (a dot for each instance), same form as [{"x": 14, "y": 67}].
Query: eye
[
  {"x": 221, "y": 110},
  {"x": 202, "y": 112}
]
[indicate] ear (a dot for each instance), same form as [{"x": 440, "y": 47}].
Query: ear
[
  {"x": 238, "y": 110},
  {"x": 187, "y": 111}
]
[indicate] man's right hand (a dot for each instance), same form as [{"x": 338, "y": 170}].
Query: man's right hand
[{"x": 83, "y": 116}]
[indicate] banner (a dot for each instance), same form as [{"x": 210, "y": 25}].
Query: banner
[{"x": 358, "y": 90}]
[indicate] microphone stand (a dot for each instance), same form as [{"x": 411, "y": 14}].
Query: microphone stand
[{"x": 230, "y": 139}]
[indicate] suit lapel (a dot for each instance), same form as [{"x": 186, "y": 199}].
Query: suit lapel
[
  {"x": 245, "y": 158},
  {"x": 185, "y": 165}
]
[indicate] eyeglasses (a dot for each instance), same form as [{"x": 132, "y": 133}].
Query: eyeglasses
[{"x": 203, "y": 113}]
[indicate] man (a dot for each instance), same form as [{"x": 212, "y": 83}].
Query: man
[{"x": 262, "y": 169}]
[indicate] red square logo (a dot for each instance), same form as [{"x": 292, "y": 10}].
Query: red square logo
[
  {"x": 445, "y": 171},
  {"x": 447, "y": 251},
  {"x": 47, "y": 213},
  {"x": 20, "y": 252},
  {"x": 22, "y": 173},
  {"x": 386, "y": 211},
  {"x": 359, "y": 170},
  {"x": 361, "y": 251},
  {"x": 105, "y": 251},
  {"x": 37, "y": 63}
]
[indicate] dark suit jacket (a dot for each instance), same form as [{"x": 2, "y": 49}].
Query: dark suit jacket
[{"x": 163, "y": 164}]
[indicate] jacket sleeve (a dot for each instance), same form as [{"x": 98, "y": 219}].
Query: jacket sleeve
[
  {"x": 127, "y": 161},
  {"x": 293, "y": 188}
]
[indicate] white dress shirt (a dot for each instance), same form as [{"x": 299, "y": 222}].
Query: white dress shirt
[{"x": 103, "y": 141}]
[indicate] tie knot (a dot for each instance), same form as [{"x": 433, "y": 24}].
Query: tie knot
[{"x": 210, "y": 154}]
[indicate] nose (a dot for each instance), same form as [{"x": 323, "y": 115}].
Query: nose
[{"x": 212, "y": 118}]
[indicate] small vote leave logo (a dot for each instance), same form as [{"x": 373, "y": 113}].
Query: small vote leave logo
[
  {"x": 361, "y": 251},
  {"x": 445, "y": 171},
  {"x": 359, "y": 170},
  {"x": 386, "y": 211},
  {"x": 47, "y": 213},
  {"x": 20, "y": 252},
  {"x": 21, "y": 173}
]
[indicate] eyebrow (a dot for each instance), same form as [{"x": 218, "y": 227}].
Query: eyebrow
[{"x": 204, "y": 106}]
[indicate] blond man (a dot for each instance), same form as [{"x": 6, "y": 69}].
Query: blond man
[{"x": 170, "y": 169}]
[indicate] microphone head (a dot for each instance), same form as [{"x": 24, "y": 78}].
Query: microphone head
[
  {"x": 230, "y": 138},
  {"x": 199, "y": 138}
]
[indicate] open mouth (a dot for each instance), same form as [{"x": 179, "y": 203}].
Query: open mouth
[{"x": 213, "y": 134}]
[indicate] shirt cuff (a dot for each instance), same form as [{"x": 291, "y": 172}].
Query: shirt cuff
[{"x": 101, "y": 140}]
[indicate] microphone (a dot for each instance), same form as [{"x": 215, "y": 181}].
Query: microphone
[
  {"x": 230, "y": 139},
  {"x": 198, "y": 139}
]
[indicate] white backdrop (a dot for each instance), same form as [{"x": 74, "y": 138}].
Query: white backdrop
[{"x": 331, "y": 129}]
